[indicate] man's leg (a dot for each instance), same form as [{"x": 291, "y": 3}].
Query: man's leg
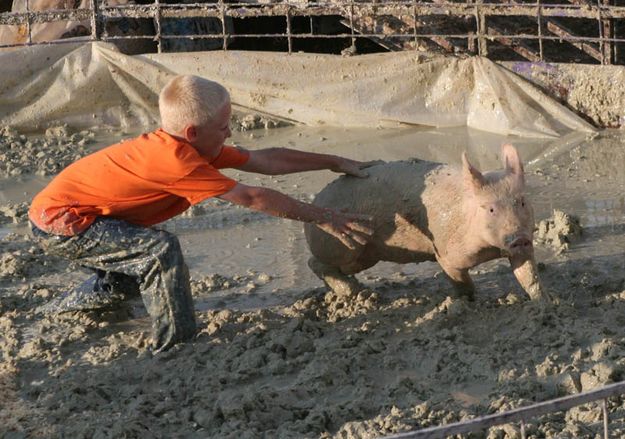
[
  {"x": 102, "y": 290},
  {"x": 152, "y": 256}
]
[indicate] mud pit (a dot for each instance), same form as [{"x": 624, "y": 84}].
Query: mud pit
[{"x": 278, "y": 356}]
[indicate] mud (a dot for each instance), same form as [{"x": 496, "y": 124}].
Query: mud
[
  {"x": 280, "y": 356},
  {"x": 559, "y": 231}
]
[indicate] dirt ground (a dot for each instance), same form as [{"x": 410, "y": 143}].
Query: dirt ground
[{"x": 278, "y": 356}]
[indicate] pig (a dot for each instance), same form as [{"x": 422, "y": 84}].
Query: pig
[{"x": 426, "y": 211}]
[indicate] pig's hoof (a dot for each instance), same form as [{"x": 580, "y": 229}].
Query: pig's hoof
[
  {"x": 544, "y": 297},
  {"x": 345, "y": 290},
  {"x": 467, "y": 295},
  {"x": 366, "y": 293}
]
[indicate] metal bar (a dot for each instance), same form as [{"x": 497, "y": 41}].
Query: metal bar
[
  {"x": 295, "y": 36},
  {"x": 18, "y": 18},
  {"x": 604, "y": 409},
  {"x": 447, "y": 44},
  {"x": 561, "y": 31},
  {"x": 601, "y": 42},
  {"x": 480, "y": 18},
  {"x": 602, "y": 11},
  {"x": 519, "y": 414},
  {"x": 222, "y": 17},
  {"x": 607, "y": 29},
  {"x": 157, "y": 19},
  {"x": 202, "y": 10},
  {"x": 344, "y": 36},
  {"x": 28, "y": 25},
  {"x": 339, "y": 36},
  {"x": 414, "y": 27},
  {"x": 518, "y": 47},
  {"x": 540, "y": 31},
  {"x": 351, "y": 23},
  {"x": 565, "y": 34},
  {"x": 288, "y": 31},
  {"x": 95, "y": 21},
  {"x": 55, "y": 42}
]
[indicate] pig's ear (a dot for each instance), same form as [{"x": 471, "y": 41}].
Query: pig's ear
[
  {"x": 512, "y": 162},
  {"x": 472, "y": 177}
]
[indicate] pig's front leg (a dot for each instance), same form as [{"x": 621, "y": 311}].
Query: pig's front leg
[
  {"x": 525, "y": 271},
  {"x": 461, "y": 281}
]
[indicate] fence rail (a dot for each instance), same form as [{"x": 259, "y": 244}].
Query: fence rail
[
  {"x": 522, "y": 415},
  {"x": 533, "y": 30}
]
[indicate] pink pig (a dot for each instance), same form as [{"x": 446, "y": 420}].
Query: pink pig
[{"x": 425, "y": 211}]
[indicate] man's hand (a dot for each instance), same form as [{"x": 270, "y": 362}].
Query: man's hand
[
  {"x": 350, "y": 228},
  {"x": 353, "y": 167}
]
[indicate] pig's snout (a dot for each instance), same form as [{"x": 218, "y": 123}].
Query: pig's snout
[{"x": 518, "y": 244}]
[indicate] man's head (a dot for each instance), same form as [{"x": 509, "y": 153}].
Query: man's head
[{"x": 197, "y": 110}]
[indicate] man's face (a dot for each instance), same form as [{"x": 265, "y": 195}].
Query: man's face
[{"x": 211, "y": 137}]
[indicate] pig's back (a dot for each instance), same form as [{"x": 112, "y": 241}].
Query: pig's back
[{"x": 388, "y": 187}]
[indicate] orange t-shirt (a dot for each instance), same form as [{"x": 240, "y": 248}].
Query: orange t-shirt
[{"x": 144, "y": 181}]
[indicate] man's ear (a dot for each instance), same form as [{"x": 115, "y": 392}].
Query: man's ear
[{"x": 190, "y": 133}]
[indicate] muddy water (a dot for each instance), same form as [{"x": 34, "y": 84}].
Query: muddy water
[{"x": 279, "y": 356}]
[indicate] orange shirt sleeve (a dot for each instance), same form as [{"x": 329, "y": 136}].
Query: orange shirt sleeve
[
  {"x": 203, "y": 182},
  {"x": 231, "y": 157}
]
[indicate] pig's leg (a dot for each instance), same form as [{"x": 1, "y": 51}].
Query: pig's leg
[
  {"x": 461, "y": 281},
  {"x": 336, "y": 280},
  {"x": 527, "y": 275}
]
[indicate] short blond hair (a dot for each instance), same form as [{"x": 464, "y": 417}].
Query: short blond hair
[{"x": 190, "y": 100}]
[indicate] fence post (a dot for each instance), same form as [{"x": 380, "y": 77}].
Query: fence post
[
  {"x": 605, "y": 419},
  {"x": 414, "y": 28},
  {"x": 288, "y": 29},
  {"x": 28, "y": 25},
  {"x": 480, "y": 19},
  {"x": 607, "y": 32},
  {"x": 539, "y": 18},
  {"x": 222, "y": 16},
  {"x": 157, "y": 19},
  {"x": 95, "y": 21},
  {"x": 351, "y": 23}
]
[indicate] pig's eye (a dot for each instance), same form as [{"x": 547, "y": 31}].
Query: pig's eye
[{"x": 491, "y": 209}]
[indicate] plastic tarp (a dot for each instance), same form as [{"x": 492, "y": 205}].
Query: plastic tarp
[{"x": 94, "y": 84}]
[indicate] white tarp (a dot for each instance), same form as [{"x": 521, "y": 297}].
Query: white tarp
[{"x": 89, "y": 84}]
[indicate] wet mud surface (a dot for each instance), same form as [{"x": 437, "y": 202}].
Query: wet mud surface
[{"x": 280, "y": 356}]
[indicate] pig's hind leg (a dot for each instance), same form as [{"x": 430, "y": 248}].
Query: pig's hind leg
[{"x": 339, "y": 282}]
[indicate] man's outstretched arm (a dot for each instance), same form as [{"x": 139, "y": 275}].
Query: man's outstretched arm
[
  {"x": 278, "y": 161},
  {"x": 350, "y": 229}
]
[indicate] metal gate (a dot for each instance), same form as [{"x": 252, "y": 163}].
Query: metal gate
[{"x": 580, "y": 31}]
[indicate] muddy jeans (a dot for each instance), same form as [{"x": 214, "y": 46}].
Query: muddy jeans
[{"x": 120, "y": 251}]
